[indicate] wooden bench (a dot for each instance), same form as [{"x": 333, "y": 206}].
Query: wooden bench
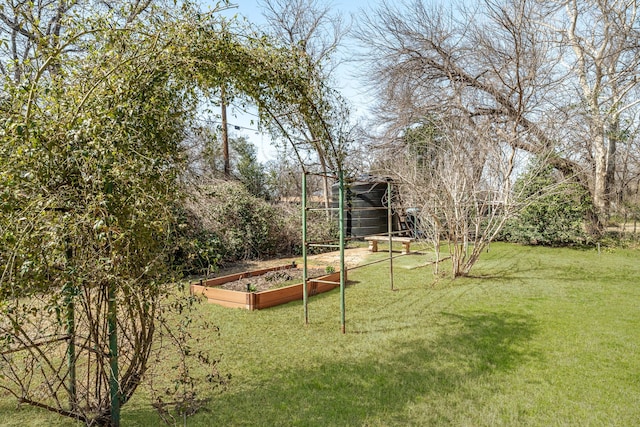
[{"x": 373, "y": 242}]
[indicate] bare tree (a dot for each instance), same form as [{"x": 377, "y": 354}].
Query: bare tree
[
  {"x": 459, "y": 179},
  {"x": 310, "y": 26},
  {"x": 627, "y": 180},
  {"x": 562, "y": 75}
]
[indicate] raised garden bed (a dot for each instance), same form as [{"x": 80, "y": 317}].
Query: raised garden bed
[{"x": 213, "y": 289}]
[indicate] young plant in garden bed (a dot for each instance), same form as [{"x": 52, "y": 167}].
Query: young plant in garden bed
[{"x": 271, "y": 280}]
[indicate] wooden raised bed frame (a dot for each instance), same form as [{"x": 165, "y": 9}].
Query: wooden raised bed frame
[{"x": 264, "y": 299}]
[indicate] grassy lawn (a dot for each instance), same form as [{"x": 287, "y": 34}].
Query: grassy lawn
[{"x": 538, "y": 336}]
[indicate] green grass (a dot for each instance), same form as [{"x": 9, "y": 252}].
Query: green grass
[{"x": 538, "y": 336}]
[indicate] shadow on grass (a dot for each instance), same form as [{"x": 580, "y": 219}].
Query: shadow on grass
[
  {"x": 378, "y": 385},
  {"x": 516, "y": 271}
]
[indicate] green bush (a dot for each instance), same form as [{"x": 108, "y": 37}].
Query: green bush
[
  {"x": 553, "y": 212},
  {"x": 235, "y": 223},
  {"x": 197, "y": 250},
  {"x": 224, "y": 222}
]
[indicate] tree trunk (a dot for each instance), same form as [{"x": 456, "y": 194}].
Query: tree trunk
[
  {"x": 600, "y": 199},
  {"x": 604, "y": 173},
  {"x": 610, "y": 178}
]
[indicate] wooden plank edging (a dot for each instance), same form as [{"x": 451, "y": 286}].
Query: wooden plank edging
[
  {"x": 263, "y": 299},
  {"x": 216, "y": 281}
]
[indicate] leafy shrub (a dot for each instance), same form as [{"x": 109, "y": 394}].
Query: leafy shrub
[
  {"x": 198, "y": 250},
  {"x": 224, "y": 222},
  {"x": 553, "y": 212}
]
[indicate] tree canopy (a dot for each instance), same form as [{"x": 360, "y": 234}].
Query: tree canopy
[{"x": 557, "y": 79}]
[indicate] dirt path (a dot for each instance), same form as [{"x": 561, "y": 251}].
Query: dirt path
[{"x": 352, "y": 257}]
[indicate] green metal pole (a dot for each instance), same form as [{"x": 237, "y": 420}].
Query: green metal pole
[
  {"x": 69, "y": 291},
  {"x": 112, "y": 325},
  {"x": 342, "y": 240},
  {"x": 305, "y": 296},
  {"x": 71, "y": 347},
  {"x": 390, "y": 231}
]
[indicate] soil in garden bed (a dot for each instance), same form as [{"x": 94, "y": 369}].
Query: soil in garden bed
[{"x": 272, "y": 280}]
